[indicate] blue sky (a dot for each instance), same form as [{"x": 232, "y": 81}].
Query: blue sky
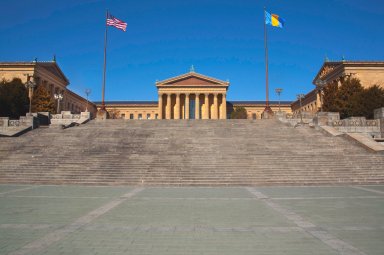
[{"x": 221, "y": 38}]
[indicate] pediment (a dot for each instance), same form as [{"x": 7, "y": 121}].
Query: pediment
[
  {"x": 326, "y": 69},
  {"x": 54, "y": 69},
  {"x": 192, "y": 79}
]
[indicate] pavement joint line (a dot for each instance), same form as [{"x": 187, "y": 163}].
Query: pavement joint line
[
  {"x": 57, "y": 197},
  {"x": 333, "y": 242},
  {"x": 29, "y": 226},
  {"x": 368, "y": 189},
  {"x": 191, "y": 198},
  {"x": 314, "y": 198},
  {"x": 183, "y": 229},
  {"x": 16, "y": 190},
  {"x": 57, "y": 235}
]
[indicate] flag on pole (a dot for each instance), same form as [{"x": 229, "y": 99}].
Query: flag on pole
[
  {"x": 112, "y": 21},
  {"x": 274, "y": 20}
]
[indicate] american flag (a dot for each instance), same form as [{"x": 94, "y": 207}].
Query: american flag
[{"x": 112, "y": 21}]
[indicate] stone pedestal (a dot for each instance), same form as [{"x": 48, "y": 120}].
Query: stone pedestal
[
  {"x": 102, "y": 115},
  {"x": 382, "y": 127},
  {"x": 281, "y": 115},
  {"x": 267, "y": 115},
  {"x": 324, "y": 118},
  {"x": 4, "y": 121},
  {"x": 379, "y": 113}
]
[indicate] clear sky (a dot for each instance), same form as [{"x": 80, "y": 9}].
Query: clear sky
[{"x": 221, "y": 38}]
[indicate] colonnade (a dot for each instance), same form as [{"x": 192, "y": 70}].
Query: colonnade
[{"x": 206, "y": 105}]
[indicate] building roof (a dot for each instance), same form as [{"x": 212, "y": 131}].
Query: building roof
[
  {"x": 308, "y": 98},
  {"x": 257, "y": 102},
  {"x": 330, "y": 66},
  {"x": 197, "y": 78},
  {"x": 50, "y": 66},
  {"x": 127, "y": 102}
]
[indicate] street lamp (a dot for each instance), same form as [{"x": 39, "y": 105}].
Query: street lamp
[
  {"x": 278, "y": 91},
  {"x": 58, "y": 97},
  {"x": 320, "y": 84},
  {"x": 87, "y": 92},
  {"x": 30, "y": 85},
  {"x": 301, "y": 96}
]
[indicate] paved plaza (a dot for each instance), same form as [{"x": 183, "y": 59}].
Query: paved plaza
[{"x": 71, "y": 220}]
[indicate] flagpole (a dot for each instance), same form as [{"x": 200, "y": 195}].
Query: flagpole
[
  {"x": 105, "y": 63},
  {"x": 267, "y": 108}
]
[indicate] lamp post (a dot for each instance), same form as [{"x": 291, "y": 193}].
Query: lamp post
[
  {"x": 30, "y": 85},
  {"x": 87, "y": 92},
  {"x": 58, "y": 97},
  {"x": 278, "y": 92},
  {"x": 301, "y": 96},
  {"x": 320, "y": 84}
]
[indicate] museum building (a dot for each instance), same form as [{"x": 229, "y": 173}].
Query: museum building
[
  {"x": 49, "y": 75},
  {"x": 190, "y": 96},
  {"x": 369, "y": 73}
]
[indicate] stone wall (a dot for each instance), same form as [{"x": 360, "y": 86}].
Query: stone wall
[
  {"x": 379, "y": 113},
  {"x": 15, "y": 127},
  {"x": 66, "y": 118}
]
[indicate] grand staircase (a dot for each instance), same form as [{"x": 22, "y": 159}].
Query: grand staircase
[{"x": 177, "y": 153}]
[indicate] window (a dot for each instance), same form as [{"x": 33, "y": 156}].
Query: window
[
  {"x": 123, "y": 115},
  {"x": 140, "y": 116},
  {"x": 131, "y": 116},
  {"x": 148, "y": 116},
  {"x": 156, "y": 116}
]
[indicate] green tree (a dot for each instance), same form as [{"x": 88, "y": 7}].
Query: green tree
[
  {"x": 347, "y": 97},
  {"x": 351, "y": 99},
  {"x": 239, "y": 113},
  {"x": 42, "y": 101},
  {"x": 329, "y": 98},
  {"x": 13, "y": 99},
  {"x": 368, "y": 100}
]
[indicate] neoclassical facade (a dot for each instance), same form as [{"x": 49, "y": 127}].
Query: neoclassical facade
[
  {"x": 190, "y": 96},
  {"x": 49, "y": 75},
  {"x": 335, "y": 72}
]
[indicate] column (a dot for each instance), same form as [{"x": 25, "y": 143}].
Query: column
[
  {"x": 168, "y": 110},
  {"x": 223, "y": 113},
  {"x": 160, "y": 106},
  {"x": 177, "y": 108},
  {"x": 197, "y": 107},
  {"x": 215, "y": 107},
  {"x": 206, "y": 107},
  {"x": 187, "y": 106}
]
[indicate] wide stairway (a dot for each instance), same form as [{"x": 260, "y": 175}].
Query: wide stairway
[{"x": 176, "y": 153}]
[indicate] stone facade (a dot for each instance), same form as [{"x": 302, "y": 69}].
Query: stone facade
[
  {"x": 335, "y": 72},
  {"x": 47, "y": 74},
  {"x": 190, "y": 96}
]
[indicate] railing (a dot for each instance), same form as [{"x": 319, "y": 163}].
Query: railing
[{"x": 356, "y": 123}]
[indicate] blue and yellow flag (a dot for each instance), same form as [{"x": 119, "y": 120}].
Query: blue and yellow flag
[{"x": 274, "y": 20}]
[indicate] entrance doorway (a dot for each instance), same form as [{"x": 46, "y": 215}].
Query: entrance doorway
[{"x": 192, "y": 109}]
